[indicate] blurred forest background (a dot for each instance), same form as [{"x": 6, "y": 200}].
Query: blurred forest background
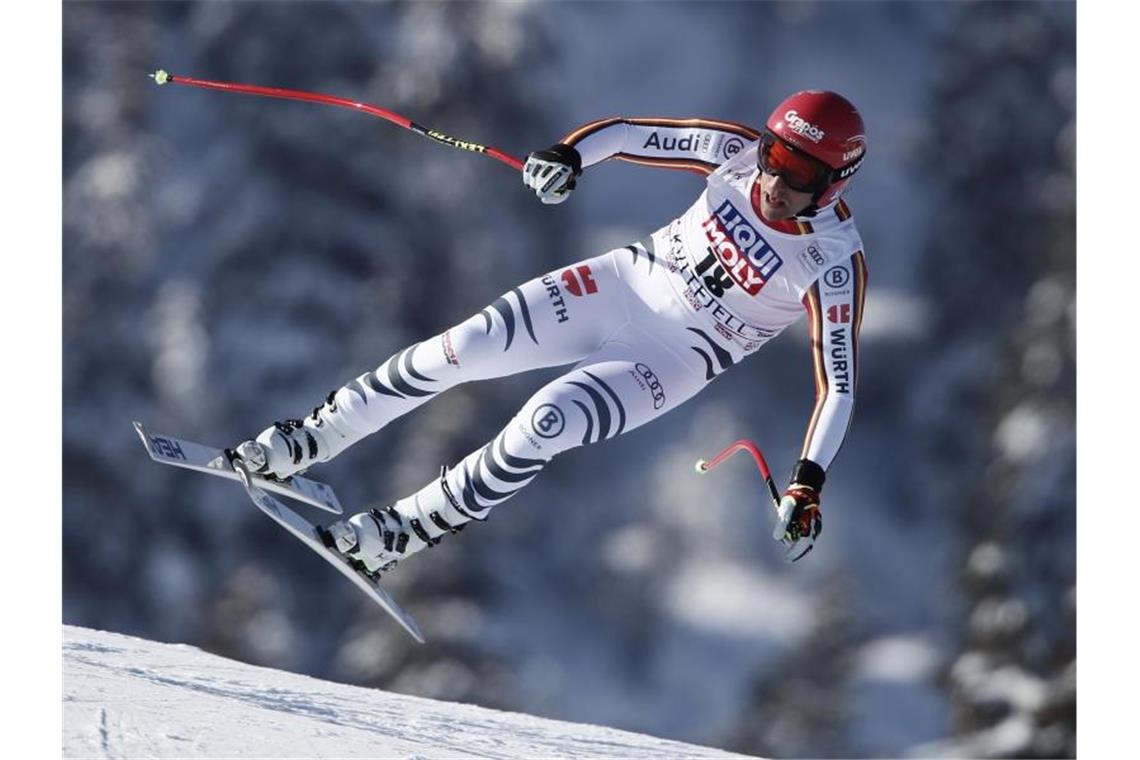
[{"x": 228, "y": 260}]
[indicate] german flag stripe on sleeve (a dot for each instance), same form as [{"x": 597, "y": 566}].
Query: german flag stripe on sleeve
[
  {"x": 747, "y": 133},
  {"x": 842, "y": 211},
  {"x": 859, "y": 264},
  {"x": 835, "y": 307},
  {"x": 692, "y": 165},
  {"x": 815, "y": 327},
  {"x": 586, "y": 130},
  {"x": 740, "y": 130}
]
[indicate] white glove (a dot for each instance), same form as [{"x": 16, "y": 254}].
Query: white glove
[
  {"x": 798, "y": 521},
  {"x": 552, "y": 173}
]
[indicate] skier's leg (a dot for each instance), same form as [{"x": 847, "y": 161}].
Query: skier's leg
[
  {"x": 549, "y": 321},
  {"x": 633, "y": 379}
]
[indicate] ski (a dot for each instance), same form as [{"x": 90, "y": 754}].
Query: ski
[
  {"x": 310, "y": 535},
  {"x": 167, "y": 449}
]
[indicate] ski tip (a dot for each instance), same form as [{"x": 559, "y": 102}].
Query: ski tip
[
  {"x": 160, "y": 76},
  {"x": 411, "y": 627},
  {"x": 701, "y": 467}
]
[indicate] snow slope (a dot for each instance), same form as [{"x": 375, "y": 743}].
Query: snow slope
[{"x": 132, "y": 698}]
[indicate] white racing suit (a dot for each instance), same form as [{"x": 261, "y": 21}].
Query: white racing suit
[{"x": 646, "y": 326}]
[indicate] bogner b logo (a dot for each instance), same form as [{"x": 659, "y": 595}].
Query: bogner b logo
[
  {"x": 548, "y": 421},
  {"x": 746, "y": 255}
]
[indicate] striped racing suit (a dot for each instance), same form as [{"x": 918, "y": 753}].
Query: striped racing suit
[{"x": 646, "y": 327}]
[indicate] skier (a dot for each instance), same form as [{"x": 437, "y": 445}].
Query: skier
[{"x": 647, "y": 326}]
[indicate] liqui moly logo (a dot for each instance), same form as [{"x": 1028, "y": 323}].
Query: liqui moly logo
[
  {"x": 745, "y": 254},
  {"x": 801, "y": 126}
]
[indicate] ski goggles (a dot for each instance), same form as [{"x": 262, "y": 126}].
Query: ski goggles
[{"x": 800, "y": 171}]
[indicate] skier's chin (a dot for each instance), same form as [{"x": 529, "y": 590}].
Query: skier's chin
[{"x": 775, "y": 211}]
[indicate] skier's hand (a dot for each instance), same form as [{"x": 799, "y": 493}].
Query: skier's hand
[
  {"x": 552, "y": 173},
  {"x": 799, "y": 520}
]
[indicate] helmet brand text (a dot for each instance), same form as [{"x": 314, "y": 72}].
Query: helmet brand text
[{"x": 803, "y": 127}]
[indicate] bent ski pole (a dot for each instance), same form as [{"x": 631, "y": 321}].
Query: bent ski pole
[
  {"x": 162, "y": 77},
  {"x": 744, "y": 445}
]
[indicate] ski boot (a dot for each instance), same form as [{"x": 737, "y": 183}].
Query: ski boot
[
  {"x": 375, "y": 540},
  {"x": 290, "y": 447}
]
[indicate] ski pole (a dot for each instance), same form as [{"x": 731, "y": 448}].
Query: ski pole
[
  {"x": 744, "y": 445},
  {"x": 162, "y": 77}
]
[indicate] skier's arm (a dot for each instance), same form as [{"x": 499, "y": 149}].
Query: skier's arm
[
  {"x": 696, "y": 145},
  {"x": 835, "y": 307}
]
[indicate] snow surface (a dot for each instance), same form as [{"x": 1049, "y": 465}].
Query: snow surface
[{"x": 126, "y": 697}]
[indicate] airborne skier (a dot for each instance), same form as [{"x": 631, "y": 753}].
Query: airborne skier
[{"x": 647, "y": 326}]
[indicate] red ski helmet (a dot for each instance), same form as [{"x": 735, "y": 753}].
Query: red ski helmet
[{"x": 825, "y": 126}]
